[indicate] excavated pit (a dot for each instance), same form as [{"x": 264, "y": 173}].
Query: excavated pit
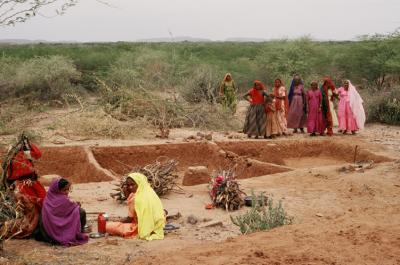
[{"x": 252, "y": 158}]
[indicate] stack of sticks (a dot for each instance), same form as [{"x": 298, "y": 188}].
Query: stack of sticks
[
  {"x": 225, "y": 191},
  {"x": 161, "y": 176}
]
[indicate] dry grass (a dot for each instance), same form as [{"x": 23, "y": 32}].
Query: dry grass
[{"x": 95, "y": 123}]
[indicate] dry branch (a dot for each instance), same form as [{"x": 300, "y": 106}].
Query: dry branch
[
  {"x": 225, "y": 191},
  {"x": 161, "y": 176}
]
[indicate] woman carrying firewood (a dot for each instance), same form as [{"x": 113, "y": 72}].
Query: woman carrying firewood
[{"x": 146, "y": 219}]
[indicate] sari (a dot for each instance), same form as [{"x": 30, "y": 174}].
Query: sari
[
  {"x": 145, "y": 209},
  {"x": 125, "y": 230},
  {"x": 255, "y": 123},
  {"x": 149, "y": 210},
  {"x": 61, "y": 218},
  {"x": 26, "y": 221},
  {"x": 315, "y": 121},
  {"x": 351, "y": 111},
  {"x": 282, "y": 108},
  {"x": 297, "y": 116},
  {"x": 328, "y": 91},
  {"x": 228, "y": 91}
]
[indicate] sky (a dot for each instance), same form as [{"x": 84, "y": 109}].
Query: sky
[{"x": 130, "y": 20}]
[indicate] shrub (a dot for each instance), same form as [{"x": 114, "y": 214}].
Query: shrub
[
  {"x": 45, "y": 77},
  {"x": 384, "y": 107},
  {"x": 202, "y": 84},
  {"x": 261, "y": 217}
]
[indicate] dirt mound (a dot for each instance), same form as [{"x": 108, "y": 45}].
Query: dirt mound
[
  {"x": 71, "y": 163},
  {"x": 122, "y": 159},
  {"x": 278, "y": 151}
]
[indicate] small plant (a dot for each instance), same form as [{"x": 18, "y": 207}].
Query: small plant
[{"x": 262, "y": 217}]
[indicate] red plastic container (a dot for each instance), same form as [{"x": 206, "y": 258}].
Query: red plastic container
[{"x": 101, "y": 224}]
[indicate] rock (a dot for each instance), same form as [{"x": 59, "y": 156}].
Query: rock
[
  {"x": 222, "y": 153},
  {"x": 100, "y": 199},
  {"x": 58, "y": 141},
  {"x": 46, "y": 180},
  {"x": 195, "y": 176},
  {"x": 319, "y": 215},
  {"x": 192, "y": 219},
  {"x": 200, "y": 134},
  {"x": 230, "y": 136},
  {"x": 208, "y": 137},
  {"x": 212, "y": 224}
]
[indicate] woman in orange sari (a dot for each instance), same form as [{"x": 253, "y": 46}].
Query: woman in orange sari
[{"x": 146, "y": 219}]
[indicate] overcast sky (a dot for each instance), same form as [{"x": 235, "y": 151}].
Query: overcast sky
[{"x": 131, "y": 20}]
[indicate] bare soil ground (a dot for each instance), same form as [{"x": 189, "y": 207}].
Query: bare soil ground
[{"x": 339, "y": 217}]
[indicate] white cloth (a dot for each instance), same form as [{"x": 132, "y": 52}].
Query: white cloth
[{"x": 356, "y": 105}]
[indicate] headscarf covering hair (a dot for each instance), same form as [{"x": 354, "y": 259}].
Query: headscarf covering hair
[
  {"x": 149, "y": 209},
  {"x": 61, "y": 217},
  {"x": 356, "y": 105},
  {"x": 326, "y": 85},
  {"x": 291, "y": 90},
  {"x": 226, "y": 76},
  {"x": 258, "y": 82}
]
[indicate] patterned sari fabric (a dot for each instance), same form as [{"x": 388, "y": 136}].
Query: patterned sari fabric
[
  {"x": 228, "y": 91},
  {"x": 255, "y": 123},
  {"x": 282, "y": 108},
  {"x": 27, "y": 221},
  {"x": 328, "y": 90}
]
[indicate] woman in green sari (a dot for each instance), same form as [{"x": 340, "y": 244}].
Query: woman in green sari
[{"x": 227, "y": 91}]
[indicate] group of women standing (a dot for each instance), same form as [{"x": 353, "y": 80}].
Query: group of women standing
[{"x": 272, "y": 114}]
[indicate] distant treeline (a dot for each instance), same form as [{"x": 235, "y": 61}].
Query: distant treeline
[{"x": 48, "y": 70}]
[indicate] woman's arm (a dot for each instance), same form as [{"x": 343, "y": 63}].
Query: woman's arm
[{"x": 247, "y": 97}]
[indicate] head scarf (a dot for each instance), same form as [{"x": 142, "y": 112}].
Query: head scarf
[
  {"x": 149, "y": 209},
  {"x": 226, "y": 76},
  {"x": 326, "y": 85},
  {"x": 258, "y": 82},
  {"x": 291, "y": 90},
  {"x": 356, "y": 105},
  {"x": 61, "y": 217}
]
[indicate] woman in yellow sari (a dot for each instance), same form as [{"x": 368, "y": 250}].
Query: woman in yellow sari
[{"x": 146, "y": 219}]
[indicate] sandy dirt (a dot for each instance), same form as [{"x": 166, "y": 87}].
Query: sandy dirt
[{"x": 339, "y": 217}]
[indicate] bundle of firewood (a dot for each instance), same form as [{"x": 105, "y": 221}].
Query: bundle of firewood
[
  {"x": 225, "y": 191},
  {"x": 10, "y": 209},
  {"x": 161, "y": 176}
]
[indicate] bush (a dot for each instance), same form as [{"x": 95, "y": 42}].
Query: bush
[
  {"x": 201, "y": 85},
  {"x": 383, "y": 108},
  {"x": 46, "y": 77},
  {"x": 262, "y": 217}
]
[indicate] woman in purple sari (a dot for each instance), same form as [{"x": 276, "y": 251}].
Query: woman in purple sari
[
  {"x": 297, "y": 116},
  {"x": 62, "y": 220}
]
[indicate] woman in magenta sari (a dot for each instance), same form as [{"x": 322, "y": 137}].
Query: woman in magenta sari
[
  {"x": 62, "y": 220},
  {"x": 315, "y": 122},
  {"x": 297, "y": 116},
  {"x": 351, "y": 111}
]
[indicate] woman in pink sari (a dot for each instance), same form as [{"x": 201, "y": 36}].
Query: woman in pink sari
[
  {"x": 315, "y": 122},
  {"x": 351, "y": 111}
]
